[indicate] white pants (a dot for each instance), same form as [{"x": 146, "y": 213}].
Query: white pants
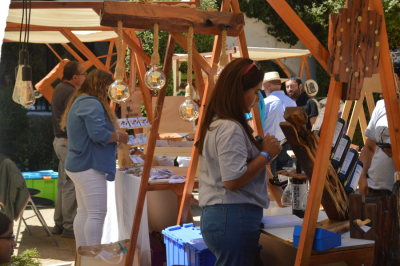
[{"x": 91, "y": 195}]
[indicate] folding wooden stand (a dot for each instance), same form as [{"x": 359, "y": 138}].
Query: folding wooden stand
[{"x": 332, "y": 107}]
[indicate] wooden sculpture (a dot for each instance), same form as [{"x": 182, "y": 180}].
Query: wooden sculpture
[
  {"x": 304, "y": 145},
  {"x": 387, "y": 233},
  {"x": 362, "y": 212},
  {"x": 354, "y": 46}
]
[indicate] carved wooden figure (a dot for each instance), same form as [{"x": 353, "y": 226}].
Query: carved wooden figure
[
  {"x": 355, "y": 38},
  {"x": 304, "y": 144},
  {"x": 387, "y": 232}
]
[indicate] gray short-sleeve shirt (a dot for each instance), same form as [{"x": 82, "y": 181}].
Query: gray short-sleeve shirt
[
  {"x": 381, "y": 172},
  {"x": 226, "y": 152}
]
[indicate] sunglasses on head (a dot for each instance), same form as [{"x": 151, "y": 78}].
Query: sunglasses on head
[{"x": 250, "y": 66}]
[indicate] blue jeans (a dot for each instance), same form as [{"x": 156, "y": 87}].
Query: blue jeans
[{"x": 231, "y": 232}]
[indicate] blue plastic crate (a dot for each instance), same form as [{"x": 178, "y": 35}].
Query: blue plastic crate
[
  {"x": 185, "y": 246},
  {"x": 323, "y": 239}
]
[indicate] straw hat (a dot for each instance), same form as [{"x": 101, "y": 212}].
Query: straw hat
[{"x": 273, "y": 76}]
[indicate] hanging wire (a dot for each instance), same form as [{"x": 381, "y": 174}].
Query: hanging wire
[
  {"x": 22, "y": 22},
  {"x": 29, "y": 22}
]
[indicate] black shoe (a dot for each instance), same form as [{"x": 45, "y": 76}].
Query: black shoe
[
  {"x": 57, "y": 230},
  {"x": 68, "y": 234}
]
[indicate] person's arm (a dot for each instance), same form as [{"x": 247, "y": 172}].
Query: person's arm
[
  {"x": 366, "y": 158},
  {"x": 271, "y": 146},
  {"x": 312, "y": 120},
  {"x": 123, "y": 137}
]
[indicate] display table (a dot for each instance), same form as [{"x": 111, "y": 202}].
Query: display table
[
  {"x": 122, "y": 197},
  {"x": 278, "y": 251}
]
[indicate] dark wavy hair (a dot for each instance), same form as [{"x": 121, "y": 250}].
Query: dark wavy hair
[
  {"x": 226, "y": 100},
  {"x": 71, "y": 69}
]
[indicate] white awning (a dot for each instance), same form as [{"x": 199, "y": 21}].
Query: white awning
[
  {"x": 65, "y": 17},
  {"x": 260, "y": 53}
]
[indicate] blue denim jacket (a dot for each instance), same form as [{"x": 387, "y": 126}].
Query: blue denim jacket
[{"x": 89, "y": 131}]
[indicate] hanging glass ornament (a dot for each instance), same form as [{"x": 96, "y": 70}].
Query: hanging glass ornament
[
  {"x": 189, "y": 110},
  {"x": 216, "y": 76},
  {"x": 119, "y": 91},
  {"x": 155, "y": 78},
  {"x": 23, "y": 90}
]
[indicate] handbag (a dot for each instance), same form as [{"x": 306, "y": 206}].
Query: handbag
[{"x": 86, "y": 255}]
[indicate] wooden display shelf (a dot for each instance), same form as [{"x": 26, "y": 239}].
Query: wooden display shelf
[
  {"x": 138, "y": 144},
  {"x": 142, "y": 16},
  {"x": 173, "y": 151}
]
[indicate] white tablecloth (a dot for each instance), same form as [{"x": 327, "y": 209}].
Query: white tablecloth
[{"x": 122, "y": 196}]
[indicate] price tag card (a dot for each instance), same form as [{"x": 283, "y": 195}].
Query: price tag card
[
  {"x": 143, "y": 121},
  {"x": 141, "y": 137},
  {"x": 123, "y": 123},
  {"x": 132, "y": 140},
  {"x": 134, "y": 122}
]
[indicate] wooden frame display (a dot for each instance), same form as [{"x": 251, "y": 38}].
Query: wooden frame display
[{"x": 332, "y": 106}]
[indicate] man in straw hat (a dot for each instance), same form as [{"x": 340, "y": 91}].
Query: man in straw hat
[{"x": 275, "y": 105}]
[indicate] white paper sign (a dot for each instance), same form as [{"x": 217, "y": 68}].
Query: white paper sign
[
  {"x": 132, "y": 140},
  {"x": 141, "y": 137},
  {"x": 143, "y": 121},
  {"x": 134, "y": 122}
]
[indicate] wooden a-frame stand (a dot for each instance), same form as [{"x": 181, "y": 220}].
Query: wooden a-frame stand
[
  {"x": 332, "y": 107},
  {"x": 204, "y": 90}
]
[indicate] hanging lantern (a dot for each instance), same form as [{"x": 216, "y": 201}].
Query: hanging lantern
[
  {"x": 224, "y": 60},
  {"x": 119, "y": 91},
  {"x": 155, "y": 78},
  {"x": 23, "y": 90},
  {"x": 189, "y": 110}
]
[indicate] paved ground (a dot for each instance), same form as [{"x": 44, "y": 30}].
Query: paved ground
[{"x": 50, "y": 253}]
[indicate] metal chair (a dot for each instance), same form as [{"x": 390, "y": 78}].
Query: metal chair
[{"x": 35, "y": 203}]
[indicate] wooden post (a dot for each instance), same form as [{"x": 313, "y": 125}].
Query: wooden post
[
  {"x": 388, "y": 87},
  {"x": 358, "y": 107},
  {"x": 307, "y": 68},
  {"x": 319, "y": 174},
  {"x": 283, "y": 67},
  {"x": 301, "y": 68},
  {"x": 109, "y": 55},
  {"x": 346, "y": 110},
  {"x": 72, "y": 52},
  {"x": 54, "y": 52},
  {"x": 149, "y": 156}
]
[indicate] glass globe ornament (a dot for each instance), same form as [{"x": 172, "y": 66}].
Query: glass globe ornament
[
  {"x": 216, "y": 76},
  {"x": 286, "y": 198},
  {"x": 154, "y": 78},
  {"x": 118, "y": 91},
  {"x": 189, "y": 110}
]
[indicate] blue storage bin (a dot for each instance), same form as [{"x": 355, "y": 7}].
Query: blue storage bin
[
  {"x": 323, "y": 239},
  {"x": 185, "y": 246}
]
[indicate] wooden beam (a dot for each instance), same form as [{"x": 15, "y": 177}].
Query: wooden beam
[
  {"x": 198, "y": 75},
  {"x": 149, "y": 157},
  {"x": 136, "y": 48},
  {"x": 370, "y": 102},
  {"x": 171, "y": 19},
  {"x": 346, "y": 110},
  {"x": 388, "y": 87},
  {"x": 109, "y": 55},
  {"x": 83, "y": 49},
  {"x": 72, "y": 52},
  {"x": 10, "y": 26},
  {"x": 189, "y": 185},
  {"x": 141, "y": 70},
  {"x": 307, "y": 68},
  {"x": 363, "y": 122},
  {"x": 54, "y": 52},
  {"x": 301, "y": 30},
  {"x": 358, "y": 107},
  {"x": 196, "y": 56},
  {"x": 345, "y": 255},
  {"x": 283, "y": 67},
  {"x": 88, "y": 4},
  {"x": 301, "y": 67},
  {"x": 319, "y": 174}
]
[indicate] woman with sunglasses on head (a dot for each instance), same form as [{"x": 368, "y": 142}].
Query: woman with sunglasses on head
[
  {"x": 7, "y": 239},
  {"x": 91, "y": 127},
  {"x": 233, "y": 185}
]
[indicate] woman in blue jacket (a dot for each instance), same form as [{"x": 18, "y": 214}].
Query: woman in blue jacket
[{"x": 92, "y": 141}]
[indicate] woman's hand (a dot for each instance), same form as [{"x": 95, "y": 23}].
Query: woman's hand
[
  {"x": 123, "y": 137},
  {"x": 388, "y": 152},
  {"x": 271, "y": 146}
]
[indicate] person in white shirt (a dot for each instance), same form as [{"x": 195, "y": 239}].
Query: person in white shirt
[{"x": 275, "y": 105}]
